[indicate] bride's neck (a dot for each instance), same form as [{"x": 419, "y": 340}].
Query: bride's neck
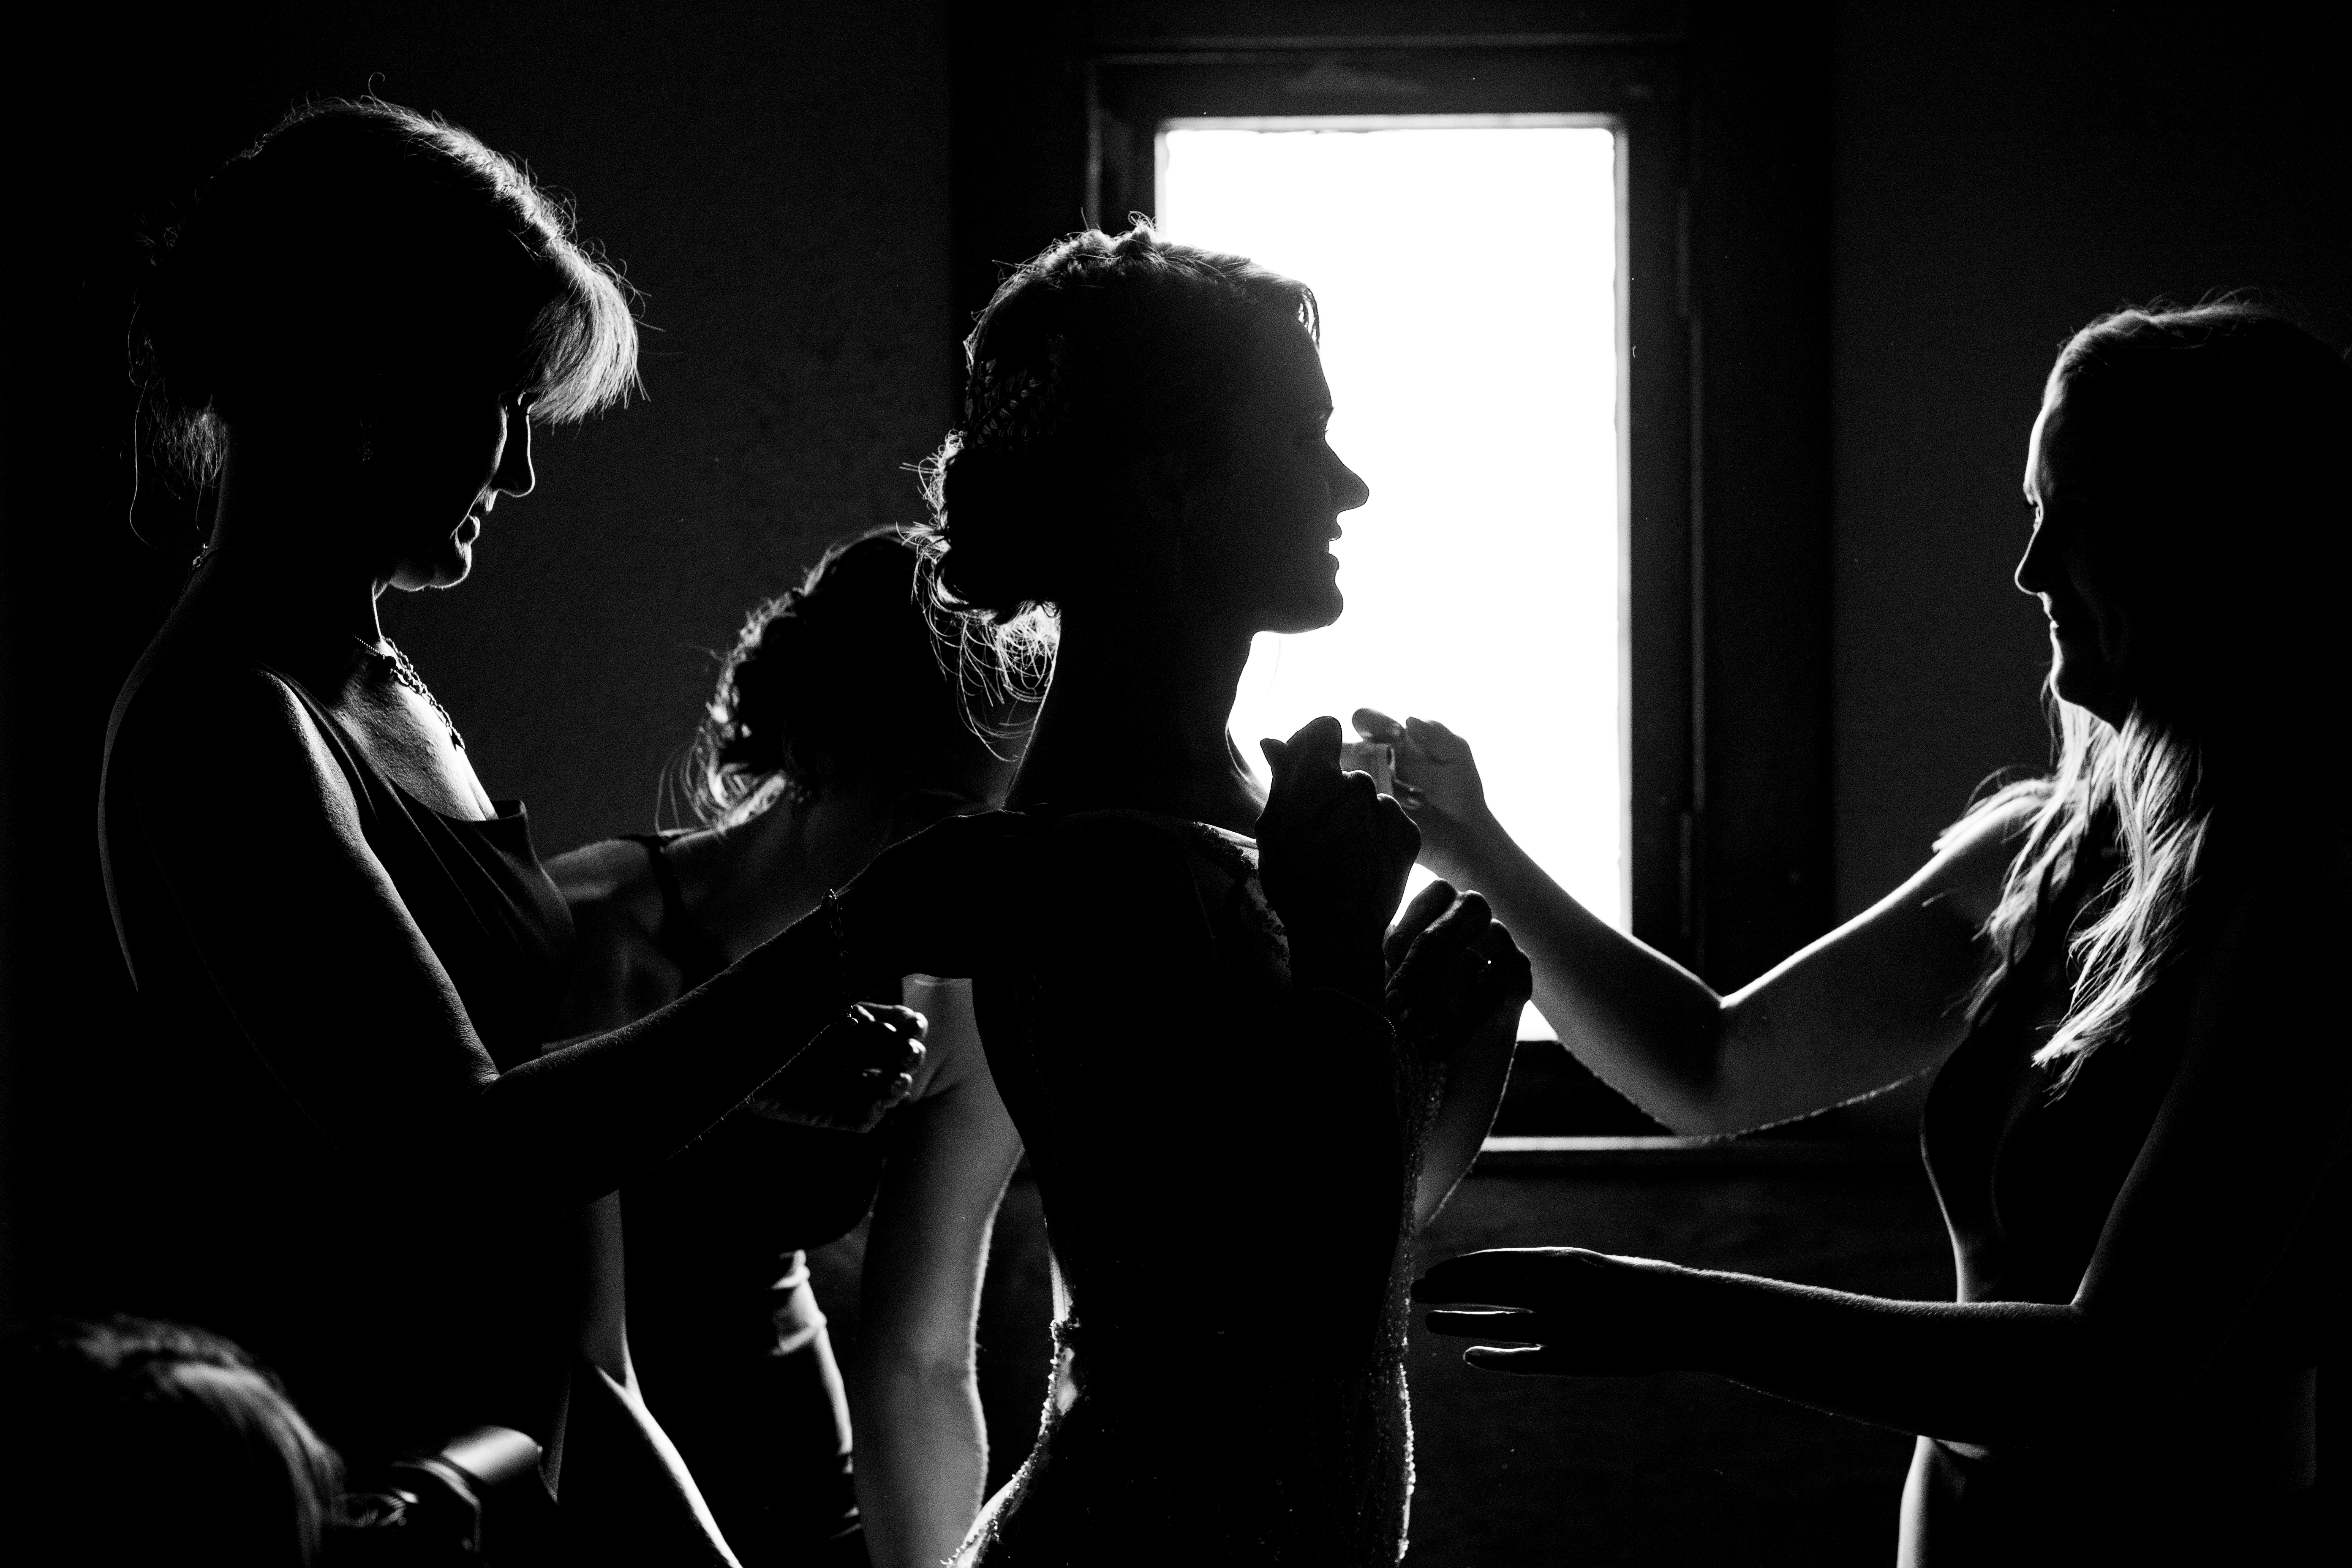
[{"x": 1136, "y": 719}]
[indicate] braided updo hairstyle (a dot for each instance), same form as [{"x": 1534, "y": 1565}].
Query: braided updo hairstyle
[
  {"x": 361, "y": 250},
  {"x": 840, "y": 672},
  {"x": 1100, "y": 349}
]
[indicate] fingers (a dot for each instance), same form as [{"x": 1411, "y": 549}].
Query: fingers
[
  {"x": 1398, "y": 834},
  {"x": 1453, "y": 932},
  {"x": 1375, "y": 725},
  {"x": 1524, "y": 1360},
  {"x": 1508, "y": 977},
  {"x": 1318, "y": 741},
  {"x": 1435, "y": 741},
  {"x": 890, "y": 1015},
  {"x": 1519, "y": 1326},
  {"x": 1426, "y": 906},
  {"x": 1500, "y": 1277}
]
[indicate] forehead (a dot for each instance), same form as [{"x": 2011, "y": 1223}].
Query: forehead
[
  {"x": 1284, "y": 368},
  {"x": 2061, "y": 451}
]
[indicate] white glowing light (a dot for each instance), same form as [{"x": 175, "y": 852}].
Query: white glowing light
[{"x": 1468, "y": 279}]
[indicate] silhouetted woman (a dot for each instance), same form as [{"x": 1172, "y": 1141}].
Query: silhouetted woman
[
  {"x": 834, "y": 731},
  {"x": 2119, "y": 975},
  {"x": 364, "y": 1160},
  {"x": 1194, "y": 1031}
]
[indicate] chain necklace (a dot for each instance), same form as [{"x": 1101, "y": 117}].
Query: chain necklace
[{"x": 396, "y": 664}]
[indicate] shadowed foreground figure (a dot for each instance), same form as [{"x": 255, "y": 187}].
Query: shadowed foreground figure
[
  {"x": 1236, "y": 1112},
  {"x": 2123, "y": 976},
  {"x": 126, "y": 1443},
  {"x": 358, "y": 1140}
]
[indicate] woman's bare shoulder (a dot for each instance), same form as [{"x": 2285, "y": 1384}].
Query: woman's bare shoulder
[
  {"x": 609, "y": 872},
  {"x": 1964, "y": 875},
  {"x": 200, "y": 721}
]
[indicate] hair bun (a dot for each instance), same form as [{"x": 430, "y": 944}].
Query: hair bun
[{"x": 1001, "y": 529}]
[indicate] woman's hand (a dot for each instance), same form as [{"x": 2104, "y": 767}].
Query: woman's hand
[
  {"x": 1454, "y": 973},
  {"x": 1437, "y": 784},
  {"x": 1572, "y": 1312},
  {"x": 851, "y": 1075},
  {"x": 933, "y": 904},
  {"x": 1333, "y": 854}
]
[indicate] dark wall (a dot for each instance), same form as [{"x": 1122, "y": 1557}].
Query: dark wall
[
  {"x": 772, "y": 176},
  {"x": 2004, "y": 173}
]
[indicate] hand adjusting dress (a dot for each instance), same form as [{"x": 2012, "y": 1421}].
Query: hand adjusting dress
[
  {"x": 1181, "y": 1102},
  {"x": 398, "y": 1317}
]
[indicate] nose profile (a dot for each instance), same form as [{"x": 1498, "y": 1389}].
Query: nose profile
[
  {"x": 2032, "y": 575},
  {"x": 1349, "y": 489}
]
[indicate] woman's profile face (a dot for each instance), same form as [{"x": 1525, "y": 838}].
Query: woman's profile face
[
  {"x": 2071, "y": 563},
  {"x": 436, "y": 468},
  {"x": 1258, "y": 525}
]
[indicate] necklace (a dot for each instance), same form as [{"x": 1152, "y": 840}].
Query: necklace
[{"x": 396, "y": 664}]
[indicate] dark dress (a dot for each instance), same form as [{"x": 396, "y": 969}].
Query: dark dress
[
  {"x": 727, "y": 1342},
  {"x": 399, "y": 1318},
  {"x": 2027, "y": 1175},
  {"x": 1283, "y": 1124},
  {"x": 391, "y": 1334}
]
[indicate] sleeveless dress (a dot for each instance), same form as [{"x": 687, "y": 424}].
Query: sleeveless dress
[
  {"x": 726, "y": 1335},
  {"x": 1227, "y": 1176},
  {"x": 396, "y": 1322},
  {"x": 2027, "y": 1174}
]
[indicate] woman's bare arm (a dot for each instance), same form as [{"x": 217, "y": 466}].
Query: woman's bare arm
[
  {"x": 310, "y": 945},
  {"x": 2258, "y": 1116},
  {"x": 1866, "y": 1007},
  {"x": 922, "y": 1446}
]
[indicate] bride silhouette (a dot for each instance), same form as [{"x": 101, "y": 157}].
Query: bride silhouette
[{"x": 1239, "y": 1096}]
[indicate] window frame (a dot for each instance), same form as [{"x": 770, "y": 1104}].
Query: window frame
[
  {"x": 1638, "y": 91},
  {"x": 1729, "y": 112}
]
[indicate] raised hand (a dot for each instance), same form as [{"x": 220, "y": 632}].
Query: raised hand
[
  {"x": 851, "y": 1075},
  {"x": 1454, "y": 973},
  {"x": 1333, "y": 854},
  {"x": 1569, "y": 1312},
  {"x": 932, "y": 903},
  {"x": 1437, "y": 782}
]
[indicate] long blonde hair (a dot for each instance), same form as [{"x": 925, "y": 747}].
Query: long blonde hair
[{"x": 2242, "y": 418}]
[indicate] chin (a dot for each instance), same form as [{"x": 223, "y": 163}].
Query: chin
[
  {"x": 1307, "y": 613},
  {"x": 446, "y": 570},
  {"x": 2091, "y": 691}
]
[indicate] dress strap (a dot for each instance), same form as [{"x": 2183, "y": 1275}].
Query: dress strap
[{"x": 681, "y": 938}]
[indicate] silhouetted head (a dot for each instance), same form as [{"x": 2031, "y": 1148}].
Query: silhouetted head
[
  {"x": 2190, "y": 476},
  {"x": 150, "y": 1443},
  {"x": 373, "y": 298},
  {"x": 2192, "y": 540},
  {"x": 839, "y": 684},
  {"x": 1144, "y": 422}
]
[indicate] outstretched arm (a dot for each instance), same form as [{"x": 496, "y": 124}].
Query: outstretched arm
[
  {"x": 2258, "y": 1116},
  {"x": 1869, "y": 1005},
  {"x": 309, "y": 942}
]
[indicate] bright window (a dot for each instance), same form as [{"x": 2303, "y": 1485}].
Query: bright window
[{"x": 1469, "y": 275}]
